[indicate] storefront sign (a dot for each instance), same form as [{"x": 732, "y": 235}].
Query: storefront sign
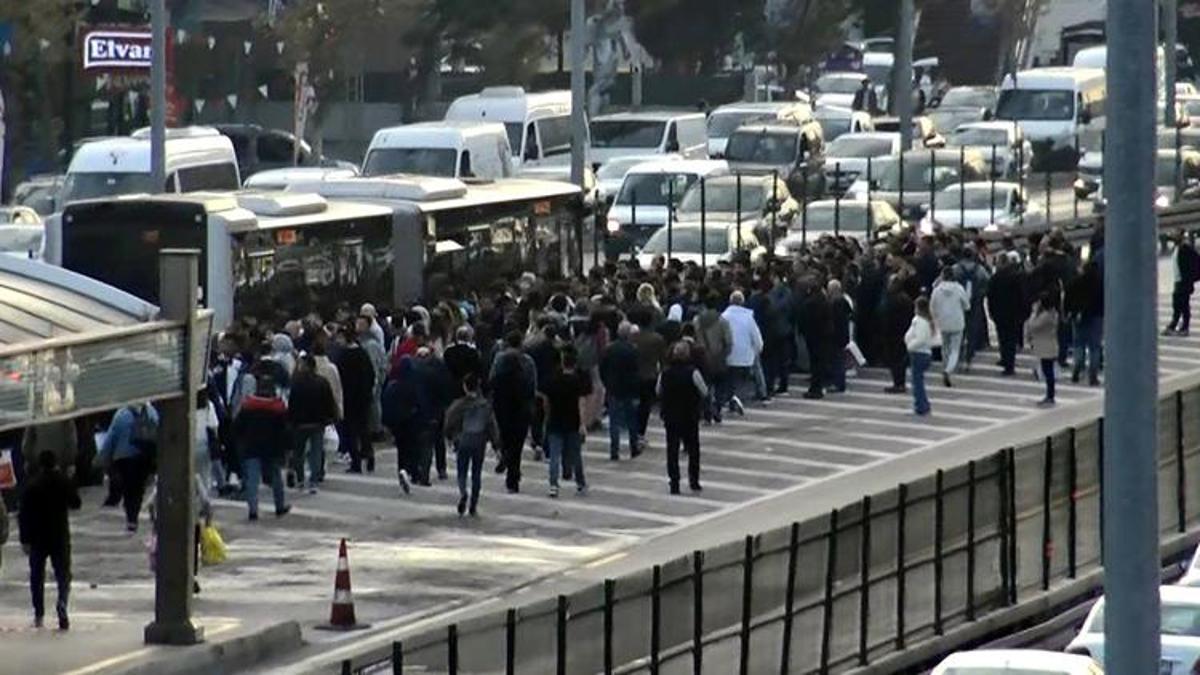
[{"x": 117, "y": 49}]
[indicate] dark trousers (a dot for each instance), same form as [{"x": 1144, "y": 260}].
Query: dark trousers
[
  {"x": 1181, "y": 307},
  {"x": 1009, "y": 335},
  {"x": 646, "y": 396},
  {"x": 60, "y": 560},
  {"x": 469, "y": 463},
  {"x": 899, "y": 369},
  {"x": 776, "y": 363},
  {"x": 132, "y": 473},
  {"x": 837, "y": 372},
  {"x": 439, "y": 446},
  {"x": 357, "y": 441},
  {"x": 414, "y": 452},
  {"x": 818, "y": 365},
  {"x": 685, "y": 433},
  {"x": 513, "y": 429},
  {"x": 1048, "y": 376}
]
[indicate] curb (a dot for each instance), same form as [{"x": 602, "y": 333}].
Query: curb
[{"x": 225, "y": 656}]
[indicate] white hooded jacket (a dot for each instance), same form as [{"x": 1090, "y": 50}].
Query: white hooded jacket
[
  {"x": 747, "y": 339},
  {"x": 949, "y": 304}
]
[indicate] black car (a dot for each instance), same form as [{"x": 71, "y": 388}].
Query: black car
[{"x": 259, "y": 148}]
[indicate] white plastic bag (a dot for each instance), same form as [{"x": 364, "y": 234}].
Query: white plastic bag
[{"x": 331, "y": 439}]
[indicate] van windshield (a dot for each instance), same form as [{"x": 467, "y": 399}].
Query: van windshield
[
  {"x": 1036, "y": 104},
  {"x": 421, "y": 161},
  {"x": 627, "y": 133},
  {"x": 79, "y": 186},
  {"x": 654, "y": 189},
  {"x": 760, "y": 147},
  {"x": 722, "y": 124}
]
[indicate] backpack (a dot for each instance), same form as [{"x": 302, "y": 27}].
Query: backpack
[
  {"x": 514, "y": 382},
  {"x": 144, "y": 436},
  {"x": 476, "y": 425}
]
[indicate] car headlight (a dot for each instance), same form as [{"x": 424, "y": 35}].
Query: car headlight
[
  {"x": 1162, "y": 201},
  {"x": 613, "y": 226}
]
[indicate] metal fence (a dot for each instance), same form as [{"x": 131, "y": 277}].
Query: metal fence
[{"x": 830, "y": 594}]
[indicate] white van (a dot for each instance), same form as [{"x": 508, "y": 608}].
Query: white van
[
  {"x": 447, "y": 149},
  {"x": 723, "y": 121},
  {"x": 1055, "y": 108},
  {"x": 197, "y": 158},
  {"x": 1016, "y": 662},
  {"x": 648, "y": 195},
  {"x": 538, "y": 125},
  {"x": 649, "y": 133}
]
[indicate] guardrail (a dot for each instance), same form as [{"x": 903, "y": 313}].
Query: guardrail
[{"x": 968, "y": 549}]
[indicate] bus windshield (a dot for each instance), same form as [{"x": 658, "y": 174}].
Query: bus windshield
[
  {"x": 421, "y": 161},
  {"x": 1036, "y": 104}
]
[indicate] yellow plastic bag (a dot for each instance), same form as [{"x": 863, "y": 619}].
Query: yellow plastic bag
[{"x": 212, "y": 547}]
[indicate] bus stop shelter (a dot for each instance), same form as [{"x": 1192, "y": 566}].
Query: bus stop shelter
[{"x": 72, "y": 346}]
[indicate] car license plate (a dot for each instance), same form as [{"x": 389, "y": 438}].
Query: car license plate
[{"x": 1166, "y": 667}]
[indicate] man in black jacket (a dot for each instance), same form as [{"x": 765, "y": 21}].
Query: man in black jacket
[
  {"x": 818, "y": 329},
  {"x": 358, "y": 391},
  {"x": 897, "y": 314},
  {"x": 682, "y": 390},
  {"x": 311, "y": 408},
  {"x": 1186, "y": 271},
  {"x": 619, "y": 373},
  {"x": 513, "y": 384},
  {"x": 1007, "y": 307},
  {"x": 463, "y": 359},
  {"x": 46, "y": 533}
]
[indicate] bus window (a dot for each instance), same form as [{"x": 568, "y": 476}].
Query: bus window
[{"x": 464, "y": 165}]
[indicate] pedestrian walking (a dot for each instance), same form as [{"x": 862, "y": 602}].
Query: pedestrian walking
[
  {"x": 949, "y": 304},
  {"x": 818, "y": 337},
  {"x": 566, "y": 394},
  {"x": 1041, "y": 332},
  {"x": 1006, "y": 303},
  {"x": 311, "y": 408},
  {"x": 440, "y": 389},
  {"x": 619, "y": 372},
  {"x": 408, "y": 415},
  {"x": 897, "y": 316},
  {"x": 264, "y": 439},
  {"x": 919, "y": 342},
  {"x": 651, "y": 348},
  {"x": 129, "y": 448},
  {"x": 1185, "y": 271},
  {"x": 682, "y": 390},
  {"x": 462, "y": 358},
  {"x": 1084, "y": 301},
  {"x": 974, "y": 277},
  {"x": 513, "y": 384},
  {"x": 470, "y": 426},
  {"x": 44, "y": 521},
  {"x": 358, "y": 391},
  {"x": 715, "y": 339},
  {"x": 745, "y": 350},
  {"x": 841, "y": 314},
  {"x": 367, "y": 331}
]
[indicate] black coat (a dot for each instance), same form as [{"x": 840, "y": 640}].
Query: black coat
[
  {"x": 261, "y": 428},
  {"x": 43, "y": 518},
  {"x": 897, "y": 314},
  {"x": 619, "y": 370},
  {"x": 1007, "y": 302},
  {"x": 311, "y": 401},
  {"x": 462, "y": 360},
  {"x": 358, "y": 385},
  {"x": 818, "y": 325},
  {"x": 840, "y": 316}
]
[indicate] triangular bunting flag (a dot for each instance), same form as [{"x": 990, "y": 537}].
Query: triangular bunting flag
[{"x": 233, "y": 99}]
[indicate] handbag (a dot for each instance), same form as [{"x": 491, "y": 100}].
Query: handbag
[
  {"x": 8, "y": 472},
  {"x": 212, "y": 547}
]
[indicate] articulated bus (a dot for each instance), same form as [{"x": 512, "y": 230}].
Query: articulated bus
[{"x": 328, "y": 245}]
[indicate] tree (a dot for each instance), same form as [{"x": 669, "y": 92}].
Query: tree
[
  {"x": 809, "y": 30},
  {"x": 691, "y": 36}
]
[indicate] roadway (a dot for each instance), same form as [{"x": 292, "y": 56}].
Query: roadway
[{"x": 413, "y": 557}]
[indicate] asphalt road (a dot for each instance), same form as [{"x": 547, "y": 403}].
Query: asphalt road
[{"x": 413, "y": 556}]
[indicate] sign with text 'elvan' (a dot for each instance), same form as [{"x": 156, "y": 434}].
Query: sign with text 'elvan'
[{"x": 113, "y": 49}]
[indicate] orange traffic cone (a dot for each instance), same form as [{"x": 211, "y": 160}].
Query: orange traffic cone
[{"x": 341, "y": 614}]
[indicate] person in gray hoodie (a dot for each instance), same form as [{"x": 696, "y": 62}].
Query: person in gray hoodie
[
  {"x": 949, "y": 304},
  {"x": 379, "y": 361},
  {"x": 715, "y": 337}
]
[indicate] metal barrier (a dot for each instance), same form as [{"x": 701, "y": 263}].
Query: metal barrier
[{"x": 867, "y": 581}]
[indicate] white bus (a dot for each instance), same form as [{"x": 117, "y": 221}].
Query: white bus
[
  {"x": 538, "y": 124},
  {"x": 1058, "y": 110}
]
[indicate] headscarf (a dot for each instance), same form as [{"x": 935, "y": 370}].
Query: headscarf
[
  {"x": 282, "y": 352},
  {"x": 675, "y": 313}
]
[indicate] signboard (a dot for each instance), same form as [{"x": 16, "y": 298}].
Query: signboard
[{"x": 103, "y": 49}]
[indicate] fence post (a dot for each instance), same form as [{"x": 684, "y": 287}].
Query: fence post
[
  {"x": 703, "y": 224},
  {"x": 939, "y": 522},
  {"x": 992, "y": 175},
  {"x": 962, "y": 193},
  {"x": 837, "y": 201},
  {"x": 347, "y": 668},
  {"x": 900, "y": 168},
  {"x": 870, "y": 178},
  {"x": 1047, "y": 539},
  {"x": 610, "y": 587},
  {"x": 932, "y": 185},
  {"x": 452, "y": 649},
  {"x": 901, "y": 509},
  {"x": 971, "y": 540},
  {"x": 1072, "y": 504},
  {"x": 804, "y": 210},
  {"x": 655, "y": 617},
  {"x": 1100, "y": 466},
  {"x": 864, "y": 587},
  {"x": 1049, "y": 218},
  {"x": 397, "y": 657},
  {"x": 830, "y": 573},
  {"x": 747, "y": 595},
  {"x": 1074, "y": 195},
  {"x": 737, "y": 198},
  {"x": 789, "y": 600},
  {"x": 697, "y": 612},
  {"x": 1002, "y": 490},
  {"x": 1021, "y": 178},
  {"x": 670, "y": 220},
  {"x": 597, "y": 224},
  {"x": 1011, "y": 467},
  {"x": 561, "y": 620},
  {"x": 774, "y": 207},
  {"x": 1181, "y": 474}
]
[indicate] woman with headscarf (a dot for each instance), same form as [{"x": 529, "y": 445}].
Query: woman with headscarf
[{"x": 647, "y": 298}]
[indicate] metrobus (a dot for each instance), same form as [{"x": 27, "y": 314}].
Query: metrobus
[{"x": 331, "y": 245}]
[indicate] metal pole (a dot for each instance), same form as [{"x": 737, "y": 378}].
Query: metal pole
[
  {"x": 179, "y": 277},
  {"x": 1132, "y": 566},
  {"x": 670, "y": 220},
  {"x": 904, "y": 76},
  {"x": 158, "y": 94},
  {"x": 578, "y": 91},
  {"x": 1170, "y": 29},
  {"x": 837, "y": 201},
  {"x": 738, "y": 200},
  {"x": 992, "y": 199},
  {"x": 775, "y": 206},
  {"x": 704, "y": 224},
  {"x": 870, "y": 178}
]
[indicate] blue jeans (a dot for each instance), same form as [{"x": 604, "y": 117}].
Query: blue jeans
[
  {"x": 1089, "y": 349},
  {"x": 733, "y": 384},
  {"x": 920, "y": 363},
  {"x": 469, "y": 459},
  {"x": 622, "y": 414},
  {"x": 256, "y": 469},
  {"x": 310, "y": 447},
  {"x": 565, "y": 448}
]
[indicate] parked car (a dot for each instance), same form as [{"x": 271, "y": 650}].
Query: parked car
[
  {"x": 764, "y": 200},
  {"x": 723, "y": 121},
  {"x": 1179, "y": 630},
  {"x": 836, "y": 121},
  {"x": 260, "y": 149},
  {"x": 846, "y": 157},
  {"x": 838, "y": 89},
  {"x": 683, "y": 243},
  {"x": 648, "y": 197},
  {"x": 1016, "y": 662},
  {"x": 1089, "y": 173},
  {"x": 906, "y": 181},
  {"x": 923, "y": 130},
  {"x": 1002, "y": 144},
  {"x": 983, "y": 205},
  {"x": 19, "y": 215},
  {"x": 841, "y": 217},
  {"x": 611, "y": 174},
  {"x": 1177, "y": 178},
  {"x": 795, "y": 154},
  {"x": 38, "y": 192}
]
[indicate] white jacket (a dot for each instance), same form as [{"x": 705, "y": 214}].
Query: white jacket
[
  {"x": 747, "y": 339},
  {"x": 949, "y": 304},
  {"x": 919, "y": 338}
]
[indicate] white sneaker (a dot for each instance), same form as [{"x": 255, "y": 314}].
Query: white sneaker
[
  {"x": 405, "y": 485},
  {"x": 554, "y": 491}
]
